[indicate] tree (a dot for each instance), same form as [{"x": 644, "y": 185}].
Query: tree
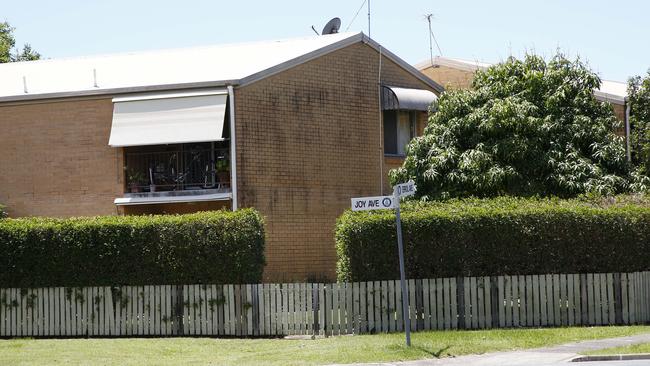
[
  {"x": 639, "y": 99},
  {"x": 527, "y": 128},
  {"x": 7, "y": 44}
]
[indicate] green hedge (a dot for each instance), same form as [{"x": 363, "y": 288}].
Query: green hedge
[
  {"x": 497, "y": 236},
  {"x": 206, "y": 247}
]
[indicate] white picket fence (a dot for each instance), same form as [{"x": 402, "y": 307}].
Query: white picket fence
[{"x": 330, "y": 309}]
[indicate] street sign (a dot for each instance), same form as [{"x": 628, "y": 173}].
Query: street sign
[
  {"x": 405, "y": 189},
  {"x": 385, "y": 202},
  {"x": 373, "y": 203}
]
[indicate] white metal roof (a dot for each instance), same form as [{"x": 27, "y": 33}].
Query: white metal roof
[
  {"x": 171, "y": 69},
  {"x": 455, "y": 63},
  {"x": 610, "y": 91}
]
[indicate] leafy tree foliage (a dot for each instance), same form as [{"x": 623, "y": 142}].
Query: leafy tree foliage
[
  {"x": 528, "y": 127},
  {"x": 639, "y": 99},
  {"x": 7, "y": 44}
]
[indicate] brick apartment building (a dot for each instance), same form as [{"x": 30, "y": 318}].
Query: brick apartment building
[
  {"x": 454, "y": 73},
  {"x": 294, "y": 128}
]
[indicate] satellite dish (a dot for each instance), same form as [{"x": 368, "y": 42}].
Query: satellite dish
[{"x": 332, "y": 26}]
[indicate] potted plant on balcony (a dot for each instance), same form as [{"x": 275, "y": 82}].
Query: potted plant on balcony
[
  {"x": 223, "y": 171},
  {"x": 135, "y": 180}
]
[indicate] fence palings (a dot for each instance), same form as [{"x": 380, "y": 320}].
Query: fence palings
[{"x": 326, "y": 309}]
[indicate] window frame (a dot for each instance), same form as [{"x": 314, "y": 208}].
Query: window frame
[{"x": 412, "y": 115}]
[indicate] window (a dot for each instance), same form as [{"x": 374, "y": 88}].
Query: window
[{"x": 399, "y": 129}]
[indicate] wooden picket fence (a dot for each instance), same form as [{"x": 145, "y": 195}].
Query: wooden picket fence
[{"x": 326, "y": 309}]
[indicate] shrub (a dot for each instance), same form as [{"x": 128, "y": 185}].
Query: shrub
[
  {"x": 639, "y": 101},
  {"x": 528, "y": 127},
  {"x": 206, "y": 247},
  {"x": 482, "y": 237},
  {"x": 3, "y": 212}
]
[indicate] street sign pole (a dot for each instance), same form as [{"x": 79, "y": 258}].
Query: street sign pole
[
  {"x": 402, "y": 275},
  {"x": 388, "y": 202}
]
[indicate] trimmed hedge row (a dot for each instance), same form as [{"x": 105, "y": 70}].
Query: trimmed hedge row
[
  {"x": 497, "y": 236},
  {"x": 206, "y": 247}
]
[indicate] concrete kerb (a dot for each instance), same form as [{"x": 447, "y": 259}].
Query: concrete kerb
[{"x": 641, "y": 356}]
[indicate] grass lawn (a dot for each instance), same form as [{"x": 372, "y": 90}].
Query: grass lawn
[
  {"x": 240, "y": 352},
  {"x": 625, "y": 350}
]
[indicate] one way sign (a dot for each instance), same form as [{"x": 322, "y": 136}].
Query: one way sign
[{"x": 405, "y": 189}]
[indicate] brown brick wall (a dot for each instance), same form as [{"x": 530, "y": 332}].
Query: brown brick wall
[
  {"x": 450, "y": 78},
  {"x": 308, "y": 139},
  {"x": 56, "y": 160}
]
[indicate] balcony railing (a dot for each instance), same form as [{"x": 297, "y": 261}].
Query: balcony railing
[{"x": 177, "y": 168}]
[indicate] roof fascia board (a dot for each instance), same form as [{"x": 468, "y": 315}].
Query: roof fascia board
[
  {"x": 606, "y": 97},
  {"x": 113, "y": 91}
]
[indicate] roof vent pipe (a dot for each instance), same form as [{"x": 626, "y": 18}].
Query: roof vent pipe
[
  {"x": 95, "y": 78},
  {"x": 25, "y": 84}
]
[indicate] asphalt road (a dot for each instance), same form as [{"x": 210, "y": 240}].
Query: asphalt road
[{"x": 550, "y": 356}]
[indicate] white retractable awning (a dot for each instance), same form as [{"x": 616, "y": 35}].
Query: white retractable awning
[
  {"x": 168, "y": 118},
  {"x": 393, "y": 98}
]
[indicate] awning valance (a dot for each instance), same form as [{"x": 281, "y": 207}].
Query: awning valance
[
  {"x": 168, "y": 118},
  {"x": 393, "y": 98}
]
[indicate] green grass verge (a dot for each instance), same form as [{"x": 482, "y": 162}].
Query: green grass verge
[
  {"x": 241, "y": 352},
  {"x": 625, "y": 350}
]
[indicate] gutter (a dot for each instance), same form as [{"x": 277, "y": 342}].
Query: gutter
[{"x": 111, "y": 91}]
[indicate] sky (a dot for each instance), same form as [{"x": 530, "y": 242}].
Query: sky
[{"x": 613, "y": 36}]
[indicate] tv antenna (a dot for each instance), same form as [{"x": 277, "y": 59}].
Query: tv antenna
[{"x": 432, "y": 38}]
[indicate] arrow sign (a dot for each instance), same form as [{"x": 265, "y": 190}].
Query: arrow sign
[
  {"x": 373, "y": 203},
  {"x": 405, "y": 189}
]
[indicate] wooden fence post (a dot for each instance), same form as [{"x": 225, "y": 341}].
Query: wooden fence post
[
  {"x": 314, "y": 304},
  {"x": 495, "y": 302},
  {"x": 178, "y": 311},
  {"x": 460, "y": 295}
]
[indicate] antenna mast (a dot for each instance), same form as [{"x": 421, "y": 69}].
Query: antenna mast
[
  {"x": 432, "y": 37},
  {"x": 428, "y": 16},
  {"x": 368, "y": 18}
]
